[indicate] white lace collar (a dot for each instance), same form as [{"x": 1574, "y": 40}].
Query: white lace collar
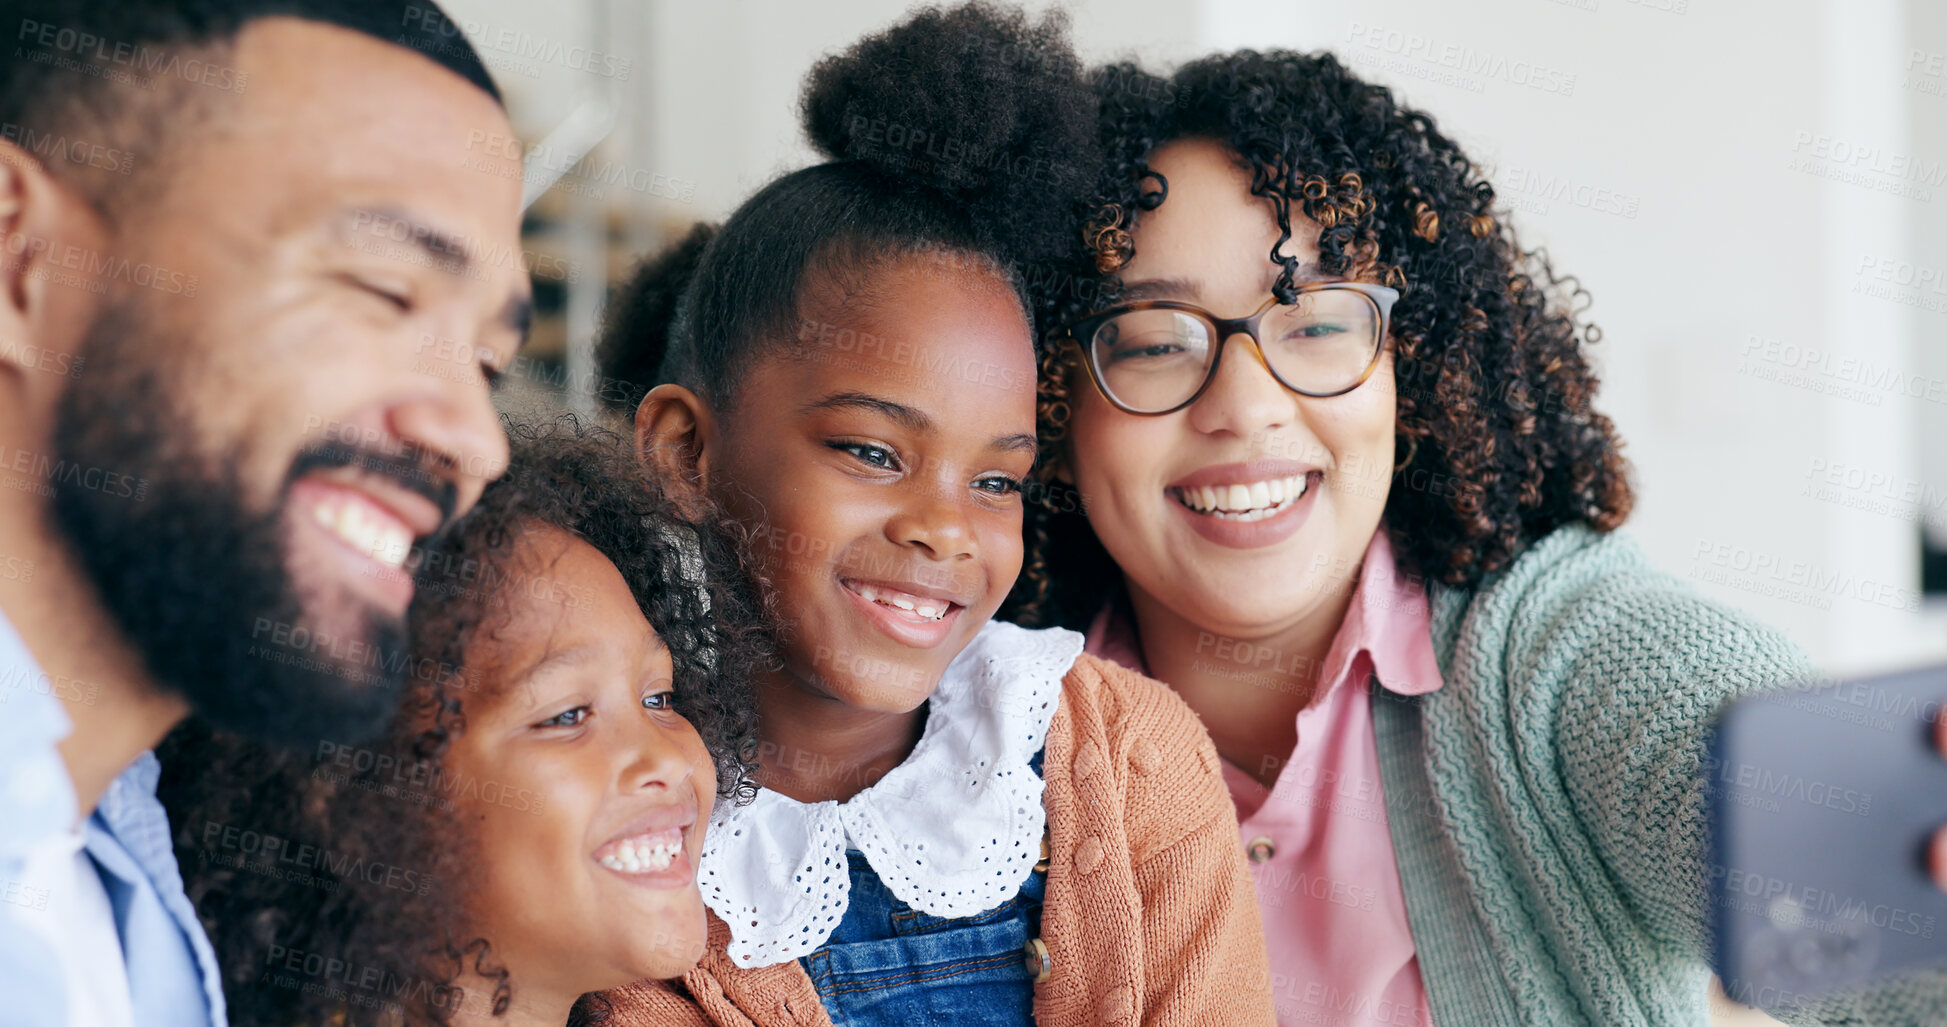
[{"x": 952, "y": 831}]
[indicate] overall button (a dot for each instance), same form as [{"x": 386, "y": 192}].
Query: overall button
[
  {"x": 1035, "y": 957},
  {"x": 1261, "y": 849}
]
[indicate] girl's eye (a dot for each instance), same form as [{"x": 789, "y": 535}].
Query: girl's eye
[
  {"x": 661, "y": 702},
  {"x": 568, "y": 718},
  {"x": 999, "y": 485},
  {"x": 866, "y": 452}
]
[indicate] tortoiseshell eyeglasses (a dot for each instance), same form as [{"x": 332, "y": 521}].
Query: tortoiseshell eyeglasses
[{"x": 1158, "y": 356}]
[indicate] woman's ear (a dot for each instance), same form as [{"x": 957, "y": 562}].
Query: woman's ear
[{"x": 676, "y": 438}]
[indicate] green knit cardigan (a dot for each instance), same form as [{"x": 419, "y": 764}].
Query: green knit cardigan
[{"x": 1545, "y": 803}]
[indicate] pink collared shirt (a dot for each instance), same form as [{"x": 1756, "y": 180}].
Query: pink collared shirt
[{"x": 1327, "y": 883}]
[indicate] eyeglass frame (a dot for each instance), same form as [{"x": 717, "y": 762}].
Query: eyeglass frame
[{"x": 1382, "y": 298}]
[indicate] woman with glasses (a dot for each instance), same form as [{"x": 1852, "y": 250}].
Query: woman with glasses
[{"x": 1322, "y": 455}]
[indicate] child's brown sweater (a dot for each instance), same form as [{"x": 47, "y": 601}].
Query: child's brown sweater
[{"x": 1150, "y": 916}]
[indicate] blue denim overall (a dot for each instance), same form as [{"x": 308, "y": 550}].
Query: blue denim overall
[{"x": 889, "y": 965}]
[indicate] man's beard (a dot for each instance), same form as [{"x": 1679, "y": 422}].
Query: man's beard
[{"x": 198, "y": 583}]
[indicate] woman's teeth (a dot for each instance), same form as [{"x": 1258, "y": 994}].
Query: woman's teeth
[
  {"x": 920, "y": 607},
  {"x": 645, "y": 854},
  {"x": 381, "y": 538},
  {"x": 1252, "y": 502}
]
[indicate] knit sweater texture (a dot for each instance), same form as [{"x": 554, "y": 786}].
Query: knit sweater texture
[{"x": 1546, "y": 804}]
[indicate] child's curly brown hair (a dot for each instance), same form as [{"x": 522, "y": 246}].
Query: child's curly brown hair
[
  {"x": 395, "y": 947},
  {"x": 1497, "y": 441}
]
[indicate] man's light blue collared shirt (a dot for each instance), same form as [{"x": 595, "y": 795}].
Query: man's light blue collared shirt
[{"x": 172, "y": 972}]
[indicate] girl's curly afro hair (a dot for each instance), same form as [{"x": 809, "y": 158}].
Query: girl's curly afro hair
[
  {"x": 1498, "y": 443},
  {"x": 964, "y": 132},
  {"x": 278, "y": 848}
]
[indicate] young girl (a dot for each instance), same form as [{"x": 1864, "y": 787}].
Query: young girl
[
  {"x": 527, "y": 830},
  {"x": 959, "y": 821},
  {"x": 1354, "y": 505}
]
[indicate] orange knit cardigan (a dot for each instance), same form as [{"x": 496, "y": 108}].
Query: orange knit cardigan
[{"x": 1150, "y": 916}]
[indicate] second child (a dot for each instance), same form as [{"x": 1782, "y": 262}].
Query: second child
[{"x": 959, "y": 821}]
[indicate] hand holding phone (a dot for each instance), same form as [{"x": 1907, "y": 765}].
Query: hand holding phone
[
  {"x": 1939, "y": 856},
  {"x": 1827, "y": 810}
]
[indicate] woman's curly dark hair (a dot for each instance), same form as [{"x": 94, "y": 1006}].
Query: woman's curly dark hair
[
  {"x": 278, "y": 849},
  {"x": 1497, "y": 441}
]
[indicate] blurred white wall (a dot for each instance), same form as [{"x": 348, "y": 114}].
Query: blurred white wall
[{"x": 1753, "y": 193}]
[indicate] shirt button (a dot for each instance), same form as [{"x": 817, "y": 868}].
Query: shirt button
[
  {"x": 1035, "y": 957},
  {"x": 1261, "y": 849}
]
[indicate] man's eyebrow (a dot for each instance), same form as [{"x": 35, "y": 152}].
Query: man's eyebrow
[
  {"x": 899, "y": 413},
  {"x": 444, "y": 251}
]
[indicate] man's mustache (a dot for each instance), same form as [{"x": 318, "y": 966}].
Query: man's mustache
[{"x": 411, "y": 469}]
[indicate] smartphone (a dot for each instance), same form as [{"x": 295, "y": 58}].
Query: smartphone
[{"x": 1822, "y": 804}]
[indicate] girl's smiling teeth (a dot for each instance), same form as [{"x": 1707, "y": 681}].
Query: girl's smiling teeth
[
  {"x": 642, "y": 854},
  {"x": 1249, "y": 501},
  {"x": 916, "y": 607}
]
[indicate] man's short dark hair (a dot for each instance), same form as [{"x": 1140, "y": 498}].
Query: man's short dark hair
[{"x": 95, "y": 83}]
